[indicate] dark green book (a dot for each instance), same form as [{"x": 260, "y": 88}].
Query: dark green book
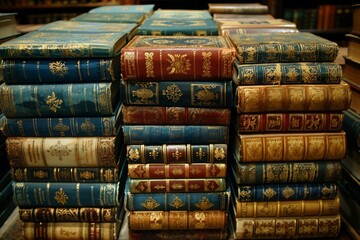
[
  {"x": 127, "y": 17},
  {"x": 181, "y": 14}
]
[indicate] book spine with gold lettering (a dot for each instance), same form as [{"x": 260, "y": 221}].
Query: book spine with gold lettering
[
  {"x": 292, "y": 97},
  {"x": 177, "y": 170},
  {"x": 71, "y": 230},
  {"x": 284, "y": 147},
  {"x": 289, "y": 122},
  {"x": 177, "y": 220},
  {"x": 177, "y": 185},
  {"x": 153, "y": 115},
  {"x": 68, "y": 214},
  {"x": 182, "y": 234},
  {"x": 286, "y": 228},
  {"x": 176, "y": 153}
]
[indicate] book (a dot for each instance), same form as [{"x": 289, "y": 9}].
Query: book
[
  {"x": 213, "y": 94},
  {"x": 283, "y": 47},
  {"x": 165, "y": 220},
  {"x": 355, "y": 95},
  {"x": 183, "y": 234},
  {"x": 351, "y": 70},
  {"x": 242, "y": 8},
  {"x": 63, "y": 151},
  {"x": 352, "y": 128},
  {"x": 148, "y": 9},
  {"x": 355, "y": 29},
  {"x": 177, "y": 185},
  {"x": 61, "y": 126},
  {"x": 289, "y": 147},
  {"x": 69, "y": 214},
  {"x": 240, "y": 16},
  {"x": 177, "y": 170},
  {"x": 287, "y": 73},
  {"x": 178, "y": 26},
  {"x": 8, "y": 25},
  {"x": 353, "y": 45},
  {"x": 183, "y": 14},
  {"x": 162, "y": 115},
  {"x": 176, "y": 153},
  {"x": 253, "y": 30},
  {"x": 186, "y": 58},
  {"x": 66, "y": 194},
  {"x": 125, "y": 17},
  {"x": 60, "y": 70},
  {"x": 283, "y": 228},
  {"x": 282, "y": 209},
  {"x": 289, "y": 122},
  {"x": 175, "y": 134},
  {"x": 98, "y": 99},
  {"x": 38, "y": 44},
  {"x": 292, "y": 98}
]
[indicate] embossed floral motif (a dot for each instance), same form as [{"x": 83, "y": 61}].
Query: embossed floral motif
[
  {"x": 173, "y": 93},
  {"x": 53, "y": 102},
  {"x": 59, "y": 150},
  {"x": 179, "y": 64},
  {"x": 204, "y": 204},
  {"x": 133, "y": 154},
  {"x": 58, "y": 68},
  {"x": 61, "y": 197},
  {"x": 150, "y": 203}
]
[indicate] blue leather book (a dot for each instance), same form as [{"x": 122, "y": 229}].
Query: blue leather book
[
  {"x": 167, "y": 201},
  {"x": 184, "y": 26},
  {"x": 148, "y": 9},
  {"x": 61, "y": 126},
  {"x": 167, "y": 134},
  {"x": 60, "y": 100},
  {"x": 183, "y": 14},
  {"x": 126, "y": 17},
  {"x": 66, "y": 194},
  {"x": 60, "y": 70},
  {"x": 39, "y": 44},
  {"x": 177, "y": 93}
]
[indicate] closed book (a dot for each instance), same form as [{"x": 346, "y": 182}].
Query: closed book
[
  {"x": 283, "y": 47},
  {"x": 291, "y": 98},
  {"x": 177, "y": 185},
  {"x": 355, "y": 29},
  {"x": 242, "y": 30},
  {"x": 289, "y": 147},
  {"x": 184, "y": 26},
  {"x": 181, "y": 14},
  {"x": 352, "y": 128},
  {"x": 63, "y": 151},
  {"x": 175, "y": 220},
  {"x": 289, "y": 122},
  {"x": 353, "y": 41},
  {"x": 66, "y": 194},
  {"x": 60, "y": 100},
  {"x": 287, "y": 73},
  {"x": 240, "y": 8},
  {"x": 60, "y": 70},
  {"x": 213, "y": 94},
  {"x": 186, "y": 58},
  {"x": 175, "y": 134},
  {"x": 209, "y": 234},
  {"x": 38, "y": 44},
  {"x": 148, "y": 9},
  {"x": 176, "y": 153},
  {"x": 161, "y": 115},
  {"x": 126, "y": 17},
  {"x": 351, "y": 69},
  {"x": 176, "y": 170},
  {"x": 241, "y": 16}
]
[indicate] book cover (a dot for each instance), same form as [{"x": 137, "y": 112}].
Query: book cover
[
  {"x": 148, "y": 9},
  {"x": 60, "y": 99},
  {"x": 184, "y": 26},
  {"x": 240, "y": 8},
  {"x": 38, "y": 44},
  {"x": 241, "y": 16},
  {"x": 283, "y": 47},
  {"x": 183, "y": 14},
  {"x": 353, "y": 42},
  {"x": 292, "y": 98},
  {"x": 125, "y": 17},
  {"x": 213, "y": 94},
  {"x": 176, "y": 153},
  {"x": 183, "y": 234},
  {"x": 186, "y": 58}
]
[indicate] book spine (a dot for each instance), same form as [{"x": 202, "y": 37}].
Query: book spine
[
  {"x": 286, "y": 98},
  {"x": 179, "y": 153},
  {"x": 59, "y": 127},
  {"x": 182, "y": 234},
  {"x": 173, "y": 134},
  {"x": 68, "y": 214},
  {"x": 59, "y": 100},
  {"x": 65, "y": 174},
  {"x": 165, "y": 220},
  {"x": 300, "y": 208},
  {"x": 289, "y": 122},
  {"x": 177, "y": 185},
  {"x": 62, "y": 152},
  {"x": 156, "y": 31},
  {"x": 160, "y": 64},
  {"x": 352, "y": 128},
  {"x": 178, "y": 170},
  {"x": 158, "y": 115},
  {"x": 280, "y": 147},
  {"x": 288, "y": 73},
  {"x": 286, "y": 192},
  {"x": 285, "y": 228},
  {"x": 288, "y": 172},
  {"x": 60, "y": 70},
  {"x": 177, "y": 94},
  {"x": 69, "y": 230},
  {"x": 53, "y": 194},
  {"x": 177, "y": 201}
]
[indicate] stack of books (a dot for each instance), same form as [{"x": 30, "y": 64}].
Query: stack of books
[
  {"x": 61, "y": 103},
  {"x": 177, "y": 97},
  {"x": 288, "y": 139}
]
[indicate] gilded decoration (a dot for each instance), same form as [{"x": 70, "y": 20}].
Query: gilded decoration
[
  {"x": 296, "y": 98},
  {"x": 317, "y": 97},
  {"x": 274, "y": 122},
  {"x": 154, "y": 153},
  {"x": 245, "y": 193},
  {"x": 287, "y": 192},
  {"x": 292, "y": 75},
  {"x": 249, "y": 122},
  {"x": 206, "y": 72},
  {"x": 272, "y": 74},
  {"x": 304, "y": 172},
  {"x": 204, "y": 204},
  {"x": 58, "y": 68},
  {"x": 25, "y": 214},
  {"x": 145, "y": 93},
  {"x": 269, "y": 193},
  {"x": 332, "y": 170},
  {"x": 53, "y": 102},
  {"x": 313, "y": 122},
  {"x": 274, "y": 98},
  {"x": 316, "y": 147},
  {"x": 67, "y": 214},
  {"x": 61, "y": 197},
  {"x": 61, "y": 128},
  {"x": 58, "y": 150},
  {"x": 149, "y": 64},
  {"x": 310, "y": 73},
  {"x": 277, "y": 173},
  {"x": 173, "y": 93},
  {"x": 40, "y": 174},
  {"x": 271, "y": 52},
  {"x": 177, "y": 203},
  {"x": 286, "y": 228},
  {"x": 253, "y": 148},
  {"x": 200, "y": 220},
  {"x": 248, "y": 172},
  {"x": 150, "y": 204},
  {"x": 88, "y": 127},
  {"x": 200, "y": 154},
  {"x": 338, "y": 100},
  {"x": 274, "y": 148},
  {"x": 264, "y": 228},
  {"x": 19, "y": 175},
  {"x": 295, "y": 147},
  {"x": 177, "y": 186},
  {"x": 108, "y": 175},
  {"x": 133, "y": 155},
  {"x": 179, "y": 64},
  {"x": 87, "y": 175}
]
